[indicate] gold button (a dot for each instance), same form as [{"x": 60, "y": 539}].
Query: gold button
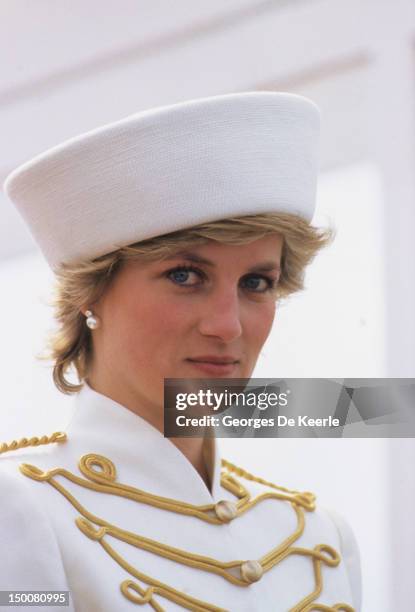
[
  {"x": 251, "y": 571},
  {"x": 225, "y": 510}
]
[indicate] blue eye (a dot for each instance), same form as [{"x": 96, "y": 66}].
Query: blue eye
[
  {"x": 252, "y": 283},
  {"x": 180, "y": 274}
]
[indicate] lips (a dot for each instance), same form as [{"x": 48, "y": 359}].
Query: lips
[
  {"x": 214, "y": 366},
  {"x": 215, "y": 359}
]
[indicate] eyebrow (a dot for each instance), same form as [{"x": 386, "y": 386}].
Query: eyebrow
[{"x": 266, "y": 266}]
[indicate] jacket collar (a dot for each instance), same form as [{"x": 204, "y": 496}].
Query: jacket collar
[{"x": 103, "y": 426}]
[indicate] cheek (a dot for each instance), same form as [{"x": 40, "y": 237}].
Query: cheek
[
  {"x": 258, "y": 323},
  {"x": 151, "y": 328}
]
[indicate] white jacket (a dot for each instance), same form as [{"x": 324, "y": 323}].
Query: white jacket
[{"x": 42, "y": 548}]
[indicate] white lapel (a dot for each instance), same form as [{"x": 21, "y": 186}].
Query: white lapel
[{"x": 103, "y": 426}]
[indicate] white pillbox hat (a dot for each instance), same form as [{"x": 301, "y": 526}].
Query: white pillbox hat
[{"x": 170, "y": 168}]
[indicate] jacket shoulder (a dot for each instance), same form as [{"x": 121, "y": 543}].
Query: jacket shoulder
[
  {"x": 350, "y": 554},
  {"x": 33, "y": 560}
]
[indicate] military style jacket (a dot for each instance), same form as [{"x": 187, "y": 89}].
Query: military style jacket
[{"x": 115, "y": 514}]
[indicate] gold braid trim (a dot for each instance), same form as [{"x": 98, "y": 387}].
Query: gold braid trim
[
  {"x": 322, "y": 608},
  {"x": 95, "y": 528},
  {"x": 157, "y": 587},
  {"x": 305, "y": 499},
  {"x": 169, "y": 552},
  {"x": 58, "y": 436}
]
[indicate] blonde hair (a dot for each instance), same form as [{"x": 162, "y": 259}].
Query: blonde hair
[{"x": 80, "y": 284}]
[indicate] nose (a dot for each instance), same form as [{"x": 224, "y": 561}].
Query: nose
[{"x": 221, "y": 316}]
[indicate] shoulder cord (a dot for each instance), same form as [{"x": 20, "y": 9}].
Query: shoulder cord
[
  {"x": 61, "y": 436},
  {"x": 306, "y": 495},
  {"x": 57, "y": 436},
  {"x": 305, "y": 499}
]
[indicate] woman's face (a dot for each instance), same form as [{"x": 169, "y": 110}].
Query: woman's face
[{"x": 203, "y": 313}]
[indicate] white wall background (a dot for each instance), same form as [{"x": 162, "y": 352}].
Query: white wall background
[{"x": 70, "y": 66}]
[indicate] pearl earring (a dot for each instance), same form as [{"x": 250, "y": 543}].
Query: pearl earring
[{"x": 92, "y": 321}]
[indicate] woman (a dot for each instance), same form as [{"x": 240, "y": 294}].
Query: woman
[{"x": 172, "y": 235}]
